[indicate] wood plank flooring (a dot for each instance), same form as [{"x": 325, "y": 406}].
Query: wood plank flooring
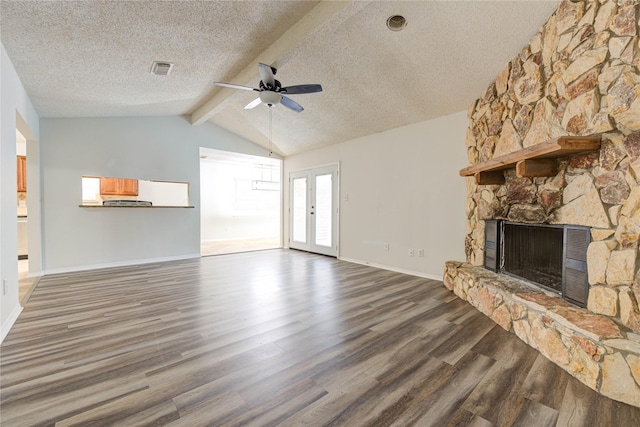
[{"x": 275, "y": 338}]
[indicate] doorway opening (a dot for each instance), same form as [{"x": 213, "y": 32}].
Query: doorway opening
[
  {"x": 28, "y": 210},
  {"x": 313, "y": 210},
  {"x": 240, "y": 202},
  {"x": 23, "y": 245}
]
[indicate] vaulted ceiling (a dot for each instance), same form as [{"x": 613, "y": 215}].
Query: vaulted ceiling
[{"x": 93, "y": 58}]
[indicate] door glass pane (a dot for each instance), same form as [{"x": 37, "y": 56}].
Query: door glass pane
[
  {"x": 323, "y": 210},
  {"x": 299, "y": 210}
]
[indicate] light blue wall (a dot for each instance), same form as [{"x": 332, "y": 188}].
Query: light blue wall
[{"x": 160, "y": 148}]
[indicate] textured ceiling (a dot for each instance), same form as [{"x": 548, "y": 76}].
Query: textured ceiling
[{"x": 92, "y": 58}]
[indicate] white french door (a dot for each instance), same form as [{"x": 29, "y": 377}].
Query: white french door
[{"x": 313, "y": 208}]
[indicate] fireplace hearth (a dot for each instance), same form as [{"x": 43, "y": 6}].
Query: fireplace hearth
[{"x": 551, "y": 256}]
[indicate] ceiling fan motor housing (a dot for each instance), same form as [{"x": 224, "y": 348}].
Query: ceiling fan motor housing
[{"x": 277, "y": 85}]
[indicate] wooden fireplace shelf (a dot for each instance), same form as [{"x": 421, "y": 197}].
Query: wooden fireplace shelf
[{"x": 537, "y": 160}]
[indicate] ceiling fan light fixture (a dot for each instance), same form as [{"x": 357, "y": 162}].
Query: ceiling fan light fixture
[
  {"x": 270, "y": 97},
  {"x": 161, "y": 68},
  {"x": 396, "y": 22}
]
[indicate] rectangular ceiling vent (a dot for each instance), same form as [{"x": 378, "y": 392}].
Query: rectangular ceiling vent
[{"x": 161, "y": 68}]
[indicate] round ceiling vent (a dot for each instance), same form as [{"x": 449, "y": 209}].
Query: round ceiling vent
[{"x": 396, "y": 22}]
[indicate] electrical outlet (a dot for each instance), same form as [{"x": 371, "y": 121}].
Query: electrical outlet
[
  {"x": 386, "y": 247},
  {"x": 420, "y": 252},
  {"x": 411, "y": 252}
]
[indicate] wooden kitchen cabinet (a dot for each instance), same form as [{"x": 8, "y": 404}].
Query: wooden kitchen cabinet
[
  {"x": 22, "y": 173},
  {"x": 118, "y": 187}
]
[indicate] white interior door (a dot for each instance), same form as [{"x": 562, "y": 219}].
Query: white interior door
[{"x": 314, "y": 210}]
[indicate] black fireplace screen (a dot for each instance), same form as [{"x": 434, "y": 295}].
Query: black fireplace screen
[
  {"x": 553, "y": 256},
  {"x": 534, "y": 253}
]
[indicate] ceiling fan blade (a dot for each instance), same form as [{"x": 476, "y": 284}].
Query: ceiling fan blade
[
  {"x": 291, "y": 104},
  {"x": 232, "y": 86},
  {"x": 253, "y": 104},
  {"x": 266, "y": 75},
  {"x": 297, "y": 89}
]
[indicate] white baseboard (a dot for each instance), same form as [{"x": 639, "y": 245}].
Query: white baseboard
[
  {"x": 8, "y": 324},
  {"x": 396, "y": 269},
  {"x": 118, "y": 264}
]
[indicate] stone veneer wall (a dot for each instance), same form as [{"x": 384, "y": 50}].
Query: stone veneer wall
[{"x": 578, "y": 76}]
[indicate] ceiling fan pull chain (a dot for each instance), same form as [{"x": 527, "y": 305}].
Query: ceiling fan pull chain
[{"x": 270, "y": 130}]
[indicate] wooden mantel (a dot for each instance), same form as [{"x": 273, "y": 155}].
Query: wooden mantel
[{"x": 536, "y": 160}]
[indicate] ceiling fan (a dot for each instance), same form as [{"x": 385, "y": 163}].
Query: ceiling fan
[{"x": 272, "y": 92}]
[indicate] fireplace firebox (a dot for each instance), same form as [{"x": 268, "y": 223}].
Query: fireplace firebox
[{"x": 551, "y": 256}]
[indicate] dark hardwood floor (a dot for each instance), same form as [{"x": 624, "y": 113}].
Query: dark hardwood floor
[{"x": 276, "y": 338}]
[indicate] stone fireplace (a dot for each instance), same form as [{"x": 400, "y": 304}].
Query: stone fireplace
[{"x": 579, "y": 76}]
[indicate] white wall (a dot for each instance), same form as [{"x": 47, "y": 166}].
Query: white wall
[
  {"x": 403, "y": 189},
  {"x": 13, "y": 102},
  {"x": 160, "y": 148}
]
